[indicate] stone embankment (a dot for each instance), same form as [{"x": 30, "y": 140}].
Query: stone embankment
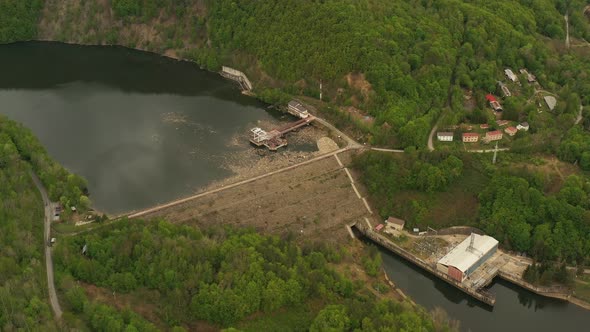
[{"x": 478, "y": 294}]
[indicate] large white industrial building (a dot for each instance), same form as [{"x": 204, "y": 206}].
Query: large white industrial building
[{"x": 467, "y": 256}]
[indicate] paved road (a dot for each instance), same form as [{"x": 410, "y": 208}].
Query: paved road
[
  {"x": 48, "y": 259},
  {"x": 388, "y": 150},
  {"x": 490, "y": 150}
]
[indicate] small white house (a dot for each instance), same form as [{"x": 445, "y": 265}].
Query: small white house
[
  {"x": 296, "y": 108},
  {"x": 510, "y": 74},
  {"x": 444, "y": 136},
  {"x": 551, "y": 102}
]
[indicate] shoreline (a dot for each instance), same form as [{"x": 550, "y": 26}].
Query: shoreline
[
  {"x": 239, "y": 176},
  {"x": 402, "y": 253}
]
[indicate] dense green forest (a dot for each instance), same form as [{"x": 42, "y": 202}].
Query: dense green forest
[
  {"x": 223, "y": 276},
  {"x": 418, "y": 56},
  {"x": 18, "y": 19},
  {"x": 406, "y": 63},
  {"x": 403, "y": 62},
  {"x": 23, "y": 287},
  {"x": 512, "y": 204}
]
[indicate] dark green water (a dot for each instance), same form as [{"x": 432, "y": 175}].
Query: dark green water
[{"x": 109, "y": 115}]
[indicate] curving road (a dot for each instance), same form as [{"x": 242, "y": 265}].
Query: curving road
[
  {"x": 567, "y": 30},
  {"x": 351, "y": 142},
  {"x": 46, "y": 237},
  {"x": 430, "y": 144}
]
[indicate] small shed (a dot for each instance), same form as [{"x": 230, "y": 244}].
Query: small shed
[
  {"x": 505, "y": 91},
  {"x": 395, "y": 223},
  {"x": 379, "y": 227},
  {"x": 510, "y": 74},
  {"x": 494, "y": 103},
  {"x": 551, "y": 102},
  {"x": 297, "y": 109},
  {"x": 444, "y": 136}
]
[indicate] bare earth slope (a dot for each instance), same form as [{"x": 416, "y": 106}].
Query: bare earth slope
[
  {"x": 94, "y": 22},
  {"x": 315, "y": 200}
]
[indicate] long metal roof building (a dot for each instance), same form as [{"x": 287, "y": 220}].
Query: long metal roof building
[{"x": 468, "y": 255}]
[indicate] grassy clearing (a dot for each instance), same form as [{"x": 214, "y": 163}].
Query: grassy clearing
[
  {"x": 457, "y": 205},
  {"x": 292, "y": 319}
]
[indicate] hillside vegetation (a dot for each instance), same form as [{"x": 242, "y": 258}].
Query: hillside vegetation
[
  {"x": 23, "y": 286},
  {"x": 399, "y": 61},
  {"x": 18, "y": 20},
  {"x": 228, "y": 278},
  {"x": 508, "y": 202}
]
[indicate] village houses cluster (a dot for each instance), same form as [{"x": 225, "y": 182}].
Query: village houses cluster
[{"x": 496, "y": 135}]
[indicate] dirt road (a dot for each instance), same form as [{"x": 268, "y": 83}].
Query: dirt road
[
  {"x": 579, "y": 117},
  {"x": 48, "y": 258},
  {"x": 351, "y": 142},
  {"x": 430, "y": 145},
  {"x": 567, "y": 30},
  {"x": 388, "y": 150}
]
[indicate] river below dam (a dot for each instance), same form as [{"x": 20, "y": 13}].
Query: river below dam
[
  {"x": 144, "y": 129},
  {"x": 516, "y": 309}
]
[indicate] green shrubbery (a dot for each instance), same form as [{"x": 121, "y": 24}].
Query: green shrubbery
[
  {"x": 221, "y": 276},
  {"x": 575, "y": 147},
  {"x": 62, "y": 186},
  {"x": 417, "y": 56},
  {"x": 23, "y": 291}
]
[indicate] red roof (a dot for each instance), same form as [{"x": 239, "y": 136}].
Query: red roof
[
  {"x": 484, "y": 126},
  {"x": 494, "y": 133},
  {"x": 470, "y": 134},
  {"x": 379, "y": 227},
  {"x": 511, "y": 129},
  {"x": 490, "y": 98}
]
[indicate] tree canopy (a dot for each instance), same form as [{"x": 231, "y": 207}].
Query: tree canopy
[{"x": 223, "y": 276}]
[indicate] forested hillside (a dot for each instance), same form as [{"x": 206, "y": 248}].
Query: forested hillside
[
  {"x": 62, "y": 186},
  {"x": 402, "y": 62},
  {"x": 18, "y": 20},
  {"x": 23, "y": 287},
  {"x": 518, "y": 206},
  {"x": 227, "y": 278}
]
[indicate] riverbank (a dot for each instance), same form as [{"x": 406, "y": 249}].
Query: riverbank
[{"x": 501, "y": 264}]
